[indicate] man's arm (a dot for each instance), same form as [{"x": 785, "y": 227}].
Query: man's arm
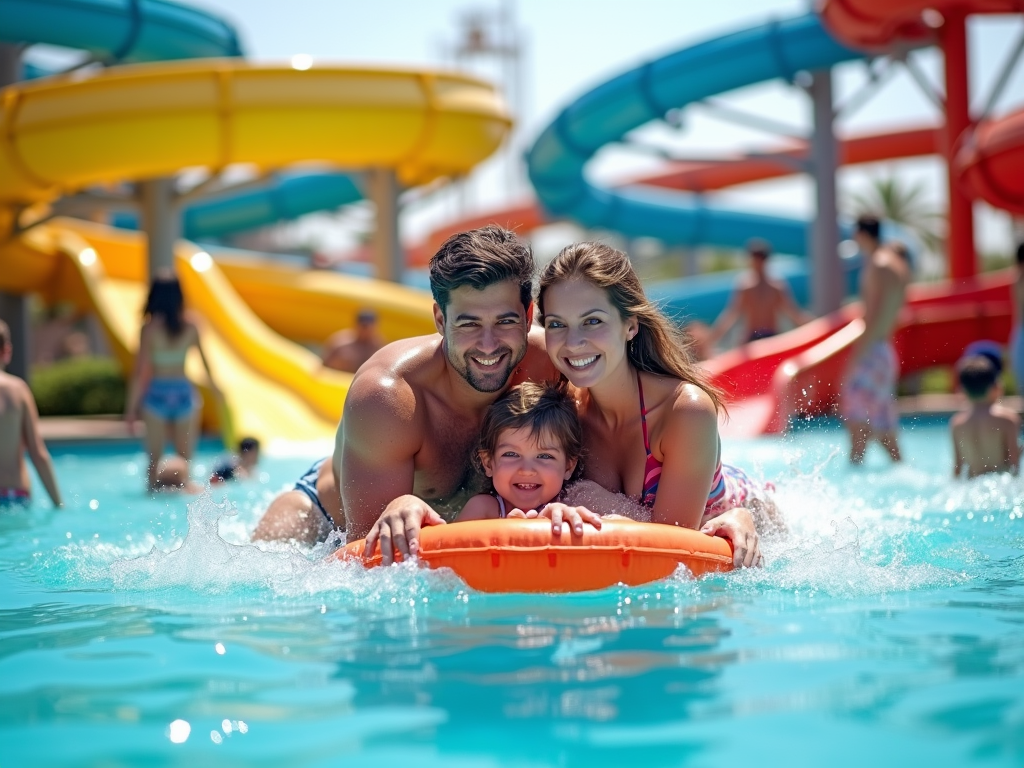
[
  {"x": 374, "y": 460},
  {"x": 36, "y": 447},
  {"x": 728, "y": 317}
]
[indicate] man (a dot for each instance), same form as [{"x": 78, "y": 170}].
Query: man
[
  {"x": 19, "y": 432},
  {"x": 412, "y": 416},
  {"x": 868, "y": 402},
  {"x": 348, "y": 349},
  {"x": 758, "y": 300}
]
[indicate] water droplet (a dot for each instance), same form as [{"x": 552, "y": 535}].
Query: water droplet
[
  {"x": 215, "y": 737},
  {"x": 178, "y": 731},
  {"x": 220, "y": 649}
]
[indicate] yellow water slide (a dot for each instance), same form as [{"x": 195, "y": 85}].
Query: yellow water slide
[{"x": 149, "y": 121}]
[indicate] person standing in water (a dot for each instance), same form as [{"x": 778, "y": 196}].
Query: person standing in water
[
  {"x": 985, "y": 433},
  {"x": 758, "y": 300},
  {"x": 19, "y": 434},
  {"x": 868, "y": 400},
  {"x": 169, "y": 403}
]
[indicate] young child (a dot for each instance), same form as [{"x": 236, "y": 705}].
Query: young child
[
  {"x": 985, "y": 433},
  {"x": 530, "y": 445},
  {"x": 240, "y": 467}
]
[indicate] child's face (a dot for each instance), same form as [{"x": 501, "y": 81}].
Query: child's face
[
  {"x": 527, "y": 471},
  {"x": 250, "y": 459}
]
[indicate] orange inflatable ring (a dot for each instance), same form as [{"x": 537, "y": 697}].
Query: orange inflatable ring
[{"x": 524, "y": 556}]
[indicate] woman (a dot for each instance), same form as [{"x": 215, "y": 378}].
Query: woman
[
  {"x": 170, "y": 405},
  {"x": 649, "y": 414}
]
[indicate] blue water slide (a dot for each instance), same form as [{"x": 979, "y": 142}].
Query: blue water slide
[
  {"x": 557, "y": 160},
  {"x": 288, "y": 196},
  {"x": 126, "y": 31},
  {"x": 119, "y": 31}
]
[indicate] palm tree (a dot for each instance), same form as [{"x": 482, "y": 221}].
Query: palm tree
[{"x": 905, "y": 204}]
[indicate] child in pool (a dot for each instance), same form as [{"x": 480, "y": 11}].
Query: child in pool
[
  {"x": 985, "y": 432},
  {"x": 530, "y": 445}
]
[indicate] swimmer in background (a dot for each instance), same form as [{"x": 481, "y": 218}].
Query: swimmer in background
[
  {"x": 758, "y": 300},
  {"x": 172, "y": 475},
  {"x": 240, "y": 467},
  {"x": 19, "y": 434},
  {"x": 985, "y": 432},
  {"x": 530, "y": 446},
  {"x": 348, "y": 349},
  {"x": 170, "y": 404}
]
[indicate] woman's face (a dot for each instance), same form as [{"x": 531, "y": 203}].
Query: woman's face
[{"x": 585, "y": 336}]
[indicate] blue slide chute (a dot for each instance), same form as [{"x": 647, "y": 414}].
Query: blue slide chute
[{"x": 556, "y": 162}]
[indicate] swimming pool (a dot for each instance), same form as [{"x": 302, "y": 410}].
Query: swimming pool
[{"x": 887, "y": 629}]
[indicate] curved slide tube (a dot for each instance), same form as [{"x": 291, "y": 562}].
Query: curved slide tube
[
  {"x": 556, "y": 161},
  {"x": 274, "y": 388},
  {"x": 64, "y": 134},
  {"x": 119, "y": 31},
  {"x": 127, "y": 31}
]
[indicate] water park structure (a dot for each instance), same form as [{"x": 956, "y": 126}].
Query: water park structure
[
  {"x": 67, "y": 133},
  {"x": 982, "y": 153}
]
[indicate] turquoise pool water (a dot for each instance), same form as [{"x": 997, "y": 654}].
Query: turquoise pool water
[{"x": 886, "y": 629}]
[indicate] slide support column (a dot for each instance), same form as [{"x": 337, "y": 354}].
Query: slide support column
[
  {"x": 827, "y": 282},
  {"x": 960, "y": 245},
  {"x": 14, "y": 307},
  {"x": 388, "y": 261},
  {"x": 162, "y": 222}
]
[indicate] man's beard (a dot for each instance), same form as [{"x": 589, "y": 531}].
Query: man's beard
[{"x": 490, "y": 382}]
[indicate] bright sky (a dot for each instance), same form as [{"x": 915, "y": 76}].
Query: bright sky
[{"x": 573, "y": 45}]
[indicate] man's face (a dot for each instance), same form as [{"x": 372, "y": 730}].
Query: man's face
[
  {"x": 484, "y": 333},
  {"x": 865, "y": 242}
]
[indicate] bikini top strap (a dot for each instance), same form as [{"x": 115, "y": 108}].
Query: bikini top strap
[
  {"x": 643, "y": 414},
  {"x": 501, "y": 506}
]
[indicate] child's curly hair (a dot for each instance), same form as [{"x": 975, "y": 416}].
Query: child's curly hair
[{"x": 543, "y": 409}]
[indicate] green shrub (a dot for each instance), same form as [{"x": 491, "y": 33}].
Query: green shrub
[{"x": 81, "y": 386}]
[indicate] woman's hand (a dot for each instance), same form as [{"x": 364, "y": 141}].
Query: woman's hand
[
  {"x": 558, "y": 513},
  {"x": 737, "y": 525},
  {"x": 398, "y": 527}
]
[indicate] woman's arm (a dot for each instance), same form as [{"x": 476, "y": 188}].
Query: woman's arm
[
  {"x": 206, "y": 363},
  {"x": 135, "y": 387},
  {"x": 688, "y": 443}
]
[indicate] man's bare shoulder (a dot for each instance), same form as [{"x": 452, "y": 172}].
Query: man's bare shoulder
[{"x": 396, "y": 375}]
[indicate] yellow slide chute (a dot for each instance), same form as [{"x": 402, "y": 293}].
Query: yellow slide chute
[
  {"x": 152, "y": 120},
  {"x": 147, "y": 121}
]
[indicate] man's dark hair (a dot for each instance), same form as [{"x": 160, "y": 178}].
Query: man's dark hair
[
  {"x": 869, "y": 225},
  {"x": 480, "y": 258},
  {"x": 977, "y": 374},
  {"x": 1020, "y": 253},
  {"x": 247, "y": 444},
  {"x": 757, "y": 246},
  {"x": 5, "y": 337}
]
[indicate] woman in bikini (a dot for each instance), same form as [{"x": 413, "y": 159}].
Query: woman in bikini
[
  {"x": 649, "y": 414},
  {"x": 169, "y": 402}
]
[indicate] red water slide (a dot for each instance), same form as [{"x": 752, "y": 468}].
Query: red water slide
[{"x": 799, "y": 372}]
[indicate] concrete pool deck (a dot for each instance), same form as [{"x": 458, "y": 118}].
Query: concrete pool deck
[{"x": 72, "y": 430}]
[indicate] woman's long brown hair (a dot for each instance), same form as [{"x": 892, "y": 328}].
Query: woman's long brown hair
[{"x": 659, "y": 346}]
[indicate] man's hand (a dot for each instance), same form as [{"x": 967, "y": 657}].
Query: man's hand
[
  {"x": 398, "y": 528},
  {"x": 558, "y": 513},
  {"x": 737, "y": 525}
]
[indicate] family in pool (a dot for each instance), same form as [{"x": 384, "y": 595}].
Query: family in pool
[{"x": 596, "y": 406}]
